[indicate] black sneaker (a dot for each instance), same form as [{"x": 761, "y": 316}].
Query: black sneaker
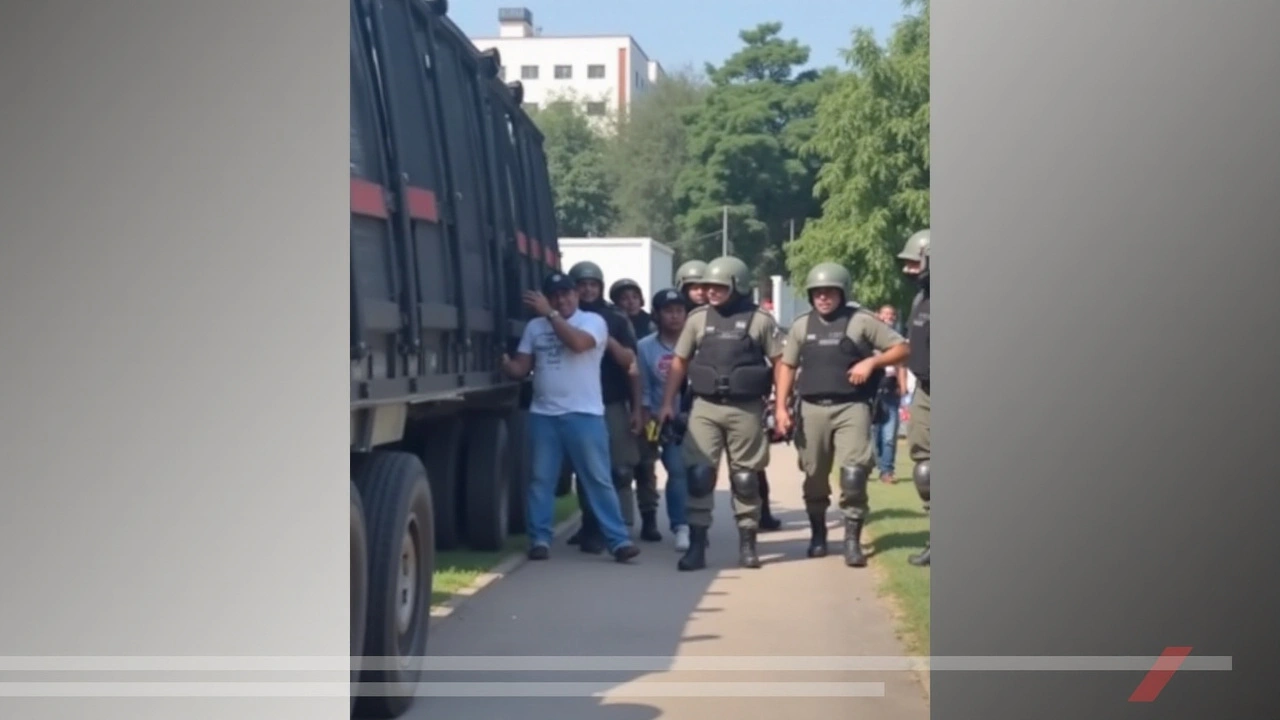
[{"x": 539, "y": 552}]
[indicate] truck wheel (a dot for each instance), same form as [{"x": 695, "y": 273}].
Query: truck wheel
[
  {"x": 488, "y": 484},
  {"x": 521, "y": 469},
  {"x": 442, "y": 454},
  {"x": 397, "y": 499},
  {"x": 359, "y": 586}
]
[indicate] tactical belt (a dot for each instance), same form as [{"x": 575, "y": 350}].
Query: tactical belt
[{"x": 828, "y": 399}]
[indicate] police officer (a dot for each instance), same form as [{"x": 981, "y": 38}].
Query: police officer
[
  {"x": 725, "y": 351},
  {"x": 915, "y": 263},
  {"x": 835, "y": 346},
  {"x": 627, "y": 295},
  {"x": 689, "y": 282},
  {"x": 621, "y": 391}
]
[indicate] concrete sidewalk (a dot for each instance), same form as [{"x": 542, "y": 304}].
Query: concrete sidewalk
[{"x": 583, "y": 606}]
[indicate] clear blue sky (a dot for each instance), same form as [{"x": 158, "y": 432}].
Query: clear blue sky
[{"x": 681, "y": 32}]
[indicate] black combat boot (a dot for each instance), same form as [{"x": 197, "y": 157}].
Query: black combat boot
[
  {"x": 817, "y": 534},
  {"x": 747, "y": 556},
  {"x": 768, "y": 523},
  {"x": 649, "y": 526},
  {"x": 853, "y": 556},
  {"x": 695, "y": 558},
  {"x": 921, "y": 559}
]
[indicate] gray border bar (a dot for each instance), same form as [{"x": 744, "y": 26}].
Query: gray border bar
[
  {"x": 173, "y": 316},
  {"x": 1106, "y": 178}
]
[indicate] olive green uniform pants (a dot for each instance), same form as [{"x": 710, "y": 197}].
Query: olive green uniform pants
[
  {"x": 735, "y": 429},
  {"x": 832, "y": 437},
  {"x": 918, "y": 428}
]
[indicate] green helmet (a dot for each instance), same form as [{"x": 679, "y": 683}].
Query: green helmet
[
  {"x": 730, "y": 272},
  {"x": 586, "y": 270},
  {"x": 690, "y": 272},
  {"x": 828, "y": 275},
  {"x": 625, "y": 284},
  {"x": 915, "y": 247}
]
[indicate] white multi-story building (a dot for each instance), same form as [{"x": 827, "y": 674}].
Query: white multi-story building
[{"x": 603, "y": 72}]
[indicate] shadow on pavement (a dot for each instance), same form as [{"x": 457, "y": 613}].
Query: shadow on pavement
[{"x": 579, "y": 606}]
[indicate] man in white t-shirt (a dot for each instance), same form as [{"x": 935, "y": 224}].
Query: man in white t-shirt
[{"x": 563, "y": 347}]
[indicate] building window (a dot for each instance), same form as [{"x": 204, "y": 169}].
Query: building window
[
  {"x": 595, "y": 72},
  {"x": 596, "y": 109},
  {"x": 502, "y": 73},
  {"x": 564, "y": 72},
  {"x": 529, "y": 72}
]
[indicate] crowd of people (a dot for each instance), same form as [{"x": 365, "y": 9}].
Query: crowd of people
[{"x": 617, "y": 390}]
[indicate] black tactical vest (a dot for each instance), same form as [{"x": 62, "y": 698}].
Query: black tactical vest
[
  {"x": 918, "y": 336},
  {"x": 729, "y": 364},
  {"x": 826, "y": 355},
  {"x": 643, "y": 323},
  {"x": 615, "y": 383}
]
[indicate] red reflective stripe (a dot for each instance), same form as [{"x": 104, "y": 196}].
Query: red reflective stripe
[
  {"x": 552, "y": 260},
  {"x": 522, "y": 243},
  {"x": 422, "y": 204},
  {"x": 368, "y": 199}
]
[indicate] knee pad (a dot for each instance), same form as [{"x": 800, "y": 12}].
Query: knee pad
[
  {"x": 702, "y": 481},
  {"x": 853, "y": 482},
  {"x": 622, "y": 477},
  {"x": 745, "y": 483},
  {"x": 921, "y": 478}
]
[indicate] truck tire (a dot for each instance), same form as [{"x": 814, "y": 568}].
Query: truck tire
[
  {"x": 487, "y": 488},
  {"x": 442, "y": 455},
  {"x": 400, "y": 520},
  {"x": 359, "y": 586},
  {"x": 521, "y": 469}
]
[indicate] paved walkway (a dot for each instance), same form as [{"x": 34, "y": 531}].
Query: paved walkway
[{"x": 588, "y": 606}]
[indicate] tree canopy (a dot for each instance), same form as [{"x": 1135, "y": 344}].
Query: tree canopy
[
  {"x": 872, "y": 140},
  {"x": 840, "y": 154}
]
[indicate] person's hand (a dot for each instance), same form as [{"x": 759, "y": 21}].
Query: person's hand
[
  {"x": 859, "y": 373},
  {"x": 782, "y": 418},
  {"x": 665, "y": 414},
  {"x": 537, "y": 302}
]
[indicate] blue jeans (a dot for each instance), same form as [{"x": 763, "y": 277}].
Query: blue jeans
[
  {"x": 677, "y": 484},
  {"x": 584, "y": 439},
  {"x": 886, "y": 436}
]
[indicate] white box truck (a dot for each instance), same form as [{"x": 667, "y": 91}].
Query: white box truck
[{"x": 642, "y": 259}]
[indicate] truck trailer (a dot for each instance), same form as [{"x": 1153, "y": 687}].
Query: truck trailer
[{"x": 452, "y": 219}]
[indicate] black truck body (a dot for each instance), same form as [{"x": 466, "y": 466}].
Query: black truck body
[{"x": 452, "y": 219}]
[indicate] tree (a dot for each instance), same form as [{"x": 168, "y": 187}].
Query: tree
[
  {"x": 580, "y": 181},
  {"x": 872, "y": 136},
  {"x": 745, "y": 147},
  {"x": 648, "y": 153}
]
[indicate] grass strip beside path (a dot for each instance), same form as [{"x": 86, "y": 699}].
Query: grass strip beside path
[
  {"x": 457, "y": 569},
  {"x": 898, "y": 528}
]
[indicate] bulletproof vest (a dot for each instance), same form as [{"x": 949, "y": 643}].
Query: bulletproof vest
[
  {"x": 729, "y": 364},
  {"x": 615, "y": 385},
  {"x": 826, "y": 355},
  {"x": 642, "y": 323},
  {"x": 918, "y": 336}
]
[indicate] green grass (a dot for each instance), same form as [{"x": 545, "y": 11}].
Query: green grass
[
  {"x": 898, "y": 528},
  {"x": 457, "y": 569}
]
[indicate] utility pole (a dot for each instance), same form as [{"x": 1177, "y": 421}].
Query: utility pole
[
  {"x": 724, "y": 231},
  {"x": 793, "y": 231}
]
